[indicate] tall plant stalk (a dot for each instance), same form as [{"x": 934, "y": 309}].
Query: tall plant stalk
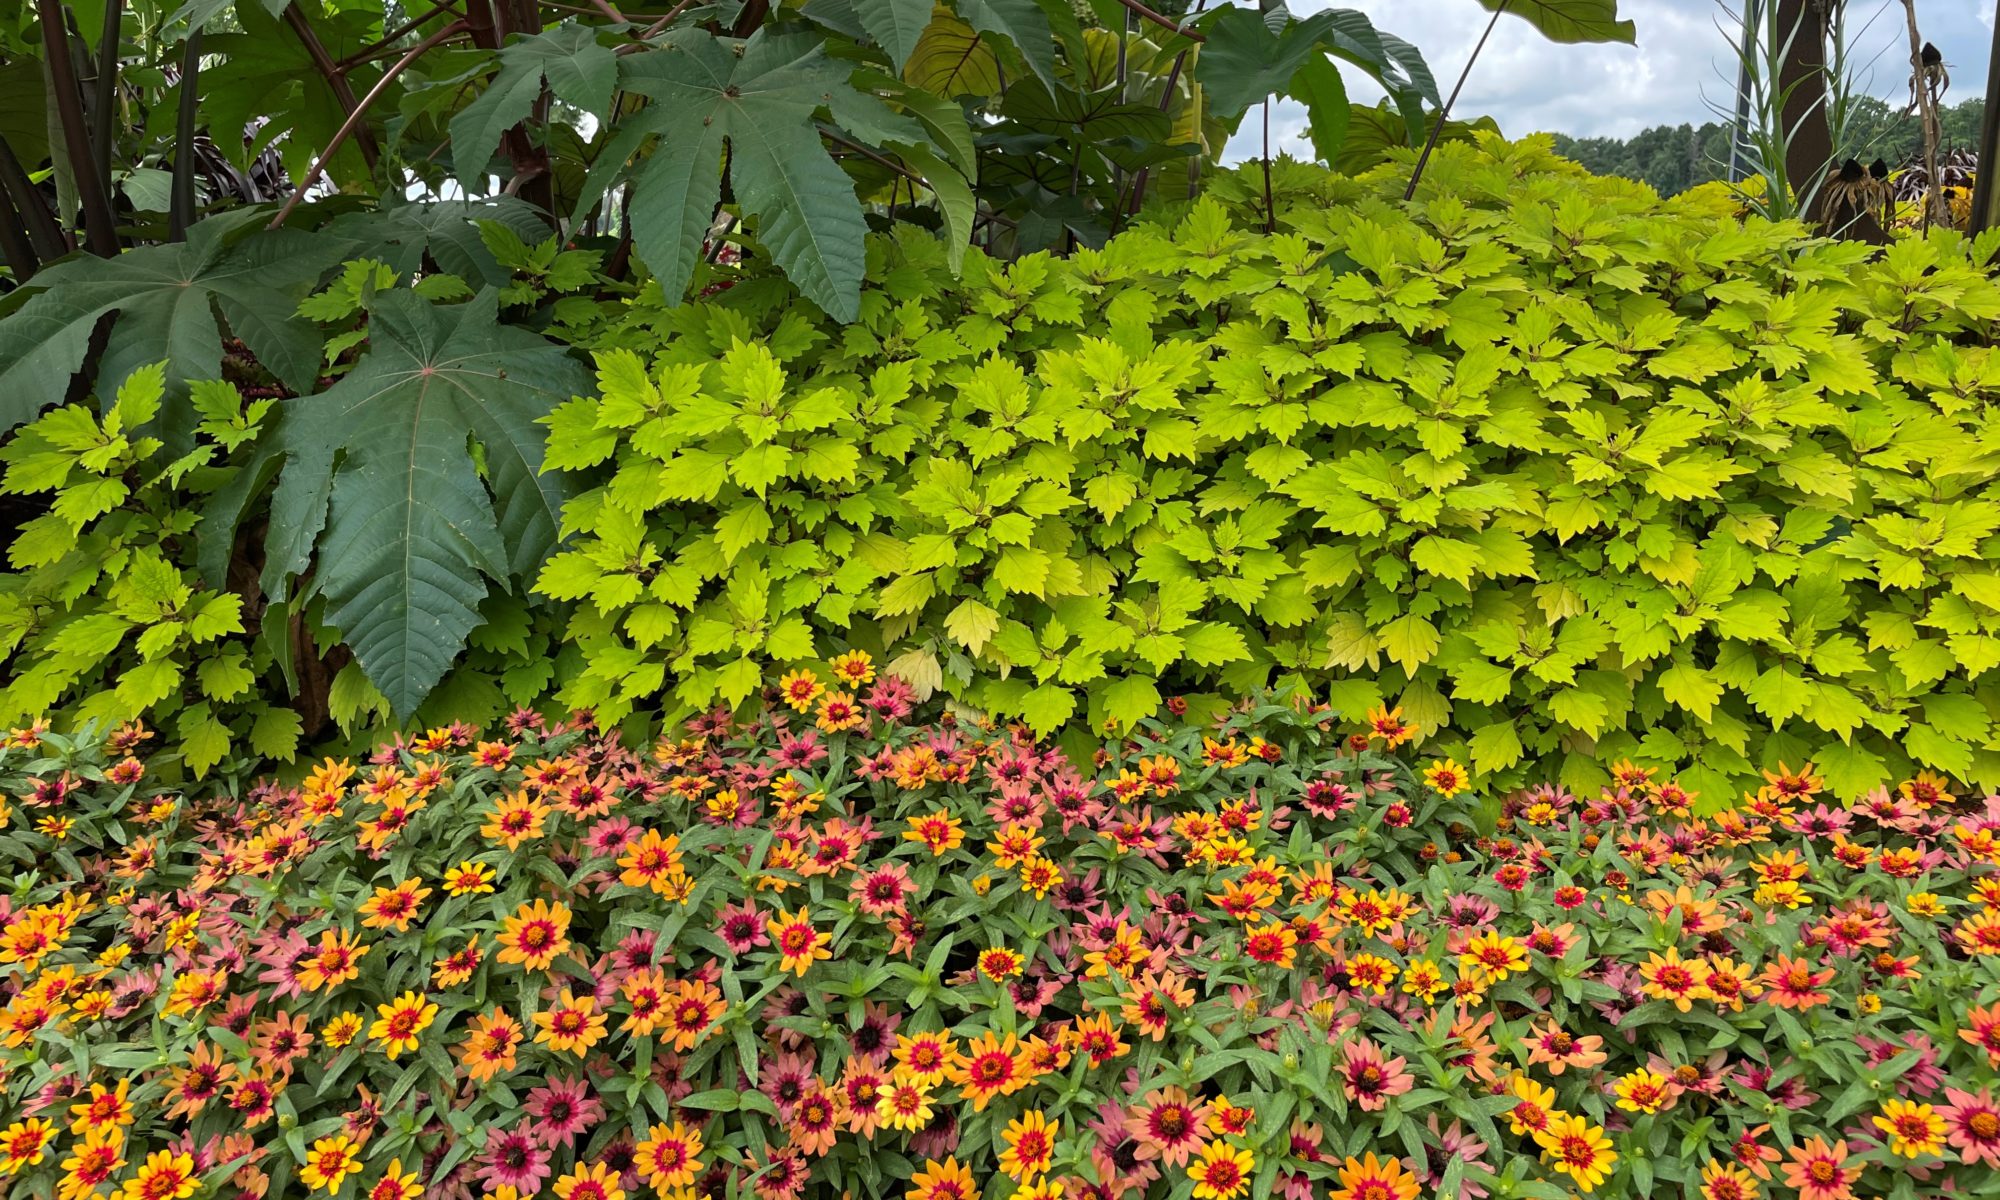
[
  {"x": 100, "y": 228},
  {"x": 1925, "y": 100},
  {"x": 1437, "y": 130}
]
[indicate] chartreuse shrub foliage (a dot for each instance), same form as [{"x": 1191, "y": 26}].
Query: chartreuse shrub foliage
[
  {"x": 100, "y": 619},
  {"x": 1572, "y": 473}
]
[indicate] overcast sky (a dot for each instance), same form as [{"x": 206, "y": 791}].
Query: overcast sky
[{"x": 1682, "y": 62}]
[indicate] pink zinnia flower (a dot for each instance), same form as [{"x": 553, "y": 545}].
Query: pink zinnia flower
[
  {"x": 741, "y": 928},
  {"x": 1973, "y": 1125},
  {"x": 562, "y": 1109},
  {"x": 513, "y": 1159},
  {"x": 1371, "y": 1079}
]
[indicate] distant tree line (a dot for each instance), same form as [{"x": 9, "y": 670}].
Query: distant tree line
[{"x": 1673, "y": 158}]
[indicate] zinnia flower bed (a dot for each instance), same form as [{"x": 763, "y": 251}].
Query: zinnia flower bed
[{"x": 850, "y": 946}]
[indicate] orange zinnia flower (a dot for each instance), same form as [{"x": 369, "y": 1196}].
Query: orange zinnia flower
[{"x": 535, "y": 935}]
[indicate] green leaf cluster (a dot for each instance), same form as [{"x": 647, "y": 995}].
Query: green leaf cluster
[
  {"x": 1569, "y": 473},
  {"x": 100, "y": 613}
]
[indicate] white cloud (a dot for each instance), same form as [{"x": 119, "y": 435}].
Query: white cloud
[{"x": 1684, "y": 60}]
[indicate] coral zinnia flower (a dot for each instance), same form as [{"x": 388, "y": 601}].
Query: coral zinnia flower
[
  {"x": 1914, "y": 1129},
  {"x": 651, "y": 862},
  {"x": 1820, "y": 1171},
  {"x": 24, "y": 1144},
  {"x": 945, "y": 1180},
  {"x": 1374, "y": 1178},
  {"x": 1222, "y": 1172},
  {"x": 572, "y": 1024},
  {"x": 670, "y": 1157},
  {"x": 799, "y": 944},
  {"x": 395, "y": 1184},
  {"x": 694, "y": 1009},
  {"x": 1644, "y": 1091},
  {"x": 1793, "y": 983},
  {"x": 1447, "y": 778},
  {"x": 1492, "y": 957},
  {"x": 514, "y": 819},
  {"x": 1727, "y": 1181},
  {"x": 1672, "y": 979},
  {"x": 1388, "y": 724},
  {"x": 489, "y": 1046},
  {"x": 1974, "y": 1124},
  {"x": 1578, "y": 1149},
  {"x": 989, "y": 1067},
  {"x": 1561, "y": 1050},
  {"x": 170, "y": 1176},
  {"x": 1272, "y": 944},
  {"x": 1168, "y": 1125},
  {"x": 816, "y": 1119},
  {"x": 337, "y": 960},
  {"x": 394, "y": 908},
  {"x": 535, "y": 935},
  {"x": 591, "y": 1182},
  {"x": 1370, "y": 1078},
  {"x": 400, "y": 1021},
  {"x": 331, "y": 1161},
  {"x": 1984, "y": 1031},
  {"x": 457, "y": 967}
]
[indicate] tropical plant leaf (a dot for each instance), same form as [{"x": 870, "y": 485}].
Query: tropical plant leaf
[
  {"x": 1248, "y": 57},
  {"x": 895, "y": 25},
  {"x": 1021, "y": 22},
  {"x": 1088, "y": 117},
  {"x": 1571, "y": 20},
  {"x": 1318, "y": 85},
  {"x": 445, "y": 231},
  {"x": 576, "y": 66},
  {"x": 760, "y": 96},
  {"x": 410, "y": 529},
  {"x": 953, "y": 59},
  {"x": 167, "y": 303},
  {"x": 1244, "y": 61}
]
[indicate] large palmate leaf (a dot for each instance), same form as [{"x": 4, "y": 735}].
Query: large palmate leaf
[
  {"x": 895, "y": 25},
  {"x": 758, "y": 96},
  {"x": 379, "y": 472},
  {"x": 165, "y": 303},
  {"x": 1249, "y": 56},
  {"x": 1021, "y": 22},
  {"x": 445, "y": 231},
  {"x": 953, "y": 59},
  {"x": 1571, "y": 20},
  {"x": 576, "y": 66}
]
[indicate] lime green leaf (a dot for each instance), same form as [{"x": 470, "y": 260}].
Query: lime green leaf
[
  {"x": 275, "y": 734},
  {"x": 1129, "y": 700}
]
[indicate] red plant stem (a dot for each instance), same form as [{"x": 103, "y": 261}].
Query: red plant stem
[
  {"x": 368, "y": 52},
  {"x": 1162, "y": 21},
  {"x": 335, "y": 76},
  {"x": 1166, "y": 101},
  {"x": 1444, "y": 114},
  {"x": 100, "y": 229},
  {"x": 361, "y": 110}
]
